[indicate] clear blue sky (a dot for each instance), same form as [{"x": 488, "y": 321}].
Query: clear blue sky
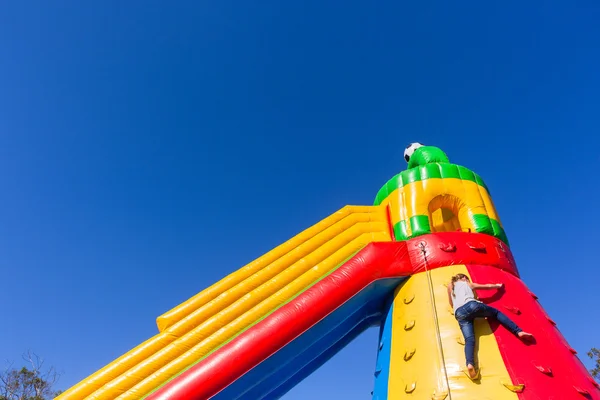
[{"x": 147, "y": 149}]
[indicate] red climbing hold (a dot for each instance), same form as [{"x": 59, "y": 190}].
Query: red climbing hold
[
  {"x": 448, "y": 247},
  {"x": 514, "y": 310},
  {"x": 544, "y": 370},
  {"x": 477, "y": 247},
  {"x": 582, "y": 391},
  {"x": 533, "y": 295}
]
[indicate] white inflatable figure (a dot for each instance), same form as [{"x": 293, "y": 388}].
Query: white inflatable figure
[{"x": 410, "y": 149}]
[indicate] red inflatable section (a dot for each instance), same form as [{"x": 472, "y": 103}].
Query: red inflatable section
[
  {"x": 375, "y": 261},
  {"x": 548, "y": 368}
]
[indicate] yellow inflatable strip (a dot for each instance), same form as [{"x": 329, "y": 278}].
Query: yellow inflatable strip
[
  {"x": 415, "y": 364},
  {"x": 171, "y": 317},
  {"x": 212, "y": 302},
  {"x": 318, "y": 248},
  {"x": 414, "y": 336}
]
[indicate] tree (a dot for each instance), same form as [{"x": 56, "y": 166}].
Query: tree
[
  {"x": 594, "y": 354},
  {"x": 30, "y": 382}
]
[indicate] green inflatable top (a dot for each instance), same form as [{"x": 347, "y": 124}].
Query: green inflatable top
[
  {"x": 425, "y": 162},
  {"x": 417, "y": 155}
]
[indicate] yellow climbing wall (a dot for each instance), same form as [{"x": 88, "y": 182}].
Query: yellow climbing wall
[{"x": 427, "y": 360}]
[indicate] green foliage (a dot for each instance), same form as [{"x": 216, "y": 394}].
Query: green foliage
[
  {"x": 30, "y": 382},
  {"x": 594, "y": 354}
]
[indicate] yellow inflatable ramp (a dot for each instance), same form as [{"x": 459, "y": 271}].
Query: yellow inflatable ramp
[{"x": 215, "y": 316}]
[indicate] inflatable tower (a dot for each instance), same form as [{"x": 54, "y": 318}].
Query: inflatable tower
[
  {"x": 445, "y": 210},
  {"x": 259, "y": 331}
]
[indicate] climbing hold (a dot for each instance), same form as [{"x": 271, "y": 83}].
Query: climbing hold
[
  {"x": 381, "y": 345},
  {"x": 572, "y": 350},
  {"x": 475, "y": 378},
  {"x": 409, "y": 353},
  {"x": 377, "y": 371},
  {"x": 460, "y": 340},
  {"x": 501, "y": 251},
  {"x": 544, "y": 370},
  {"x": 410, "y": 388},
  {"x": 447, "y": 247},
  {"x": 518, "y": 388},
  {"x": 533, "y": 295},
  {"x": 551, "y": 320},
  {"x": 581, "y": 391},
  {"x": 594, "y": 382},
  {"x": 409, "y": 325},
  {"x": 480, "y": 247},
  {"x": 409, "y": 298},
  {"x": 513, "y": 310},
  {"x": 439, "y": 396}
]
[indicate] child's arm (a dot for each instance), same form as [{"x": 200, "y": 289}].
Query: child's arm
[
  {"x": 476, "y": 286},
  {"x": 450, "y": 295}
]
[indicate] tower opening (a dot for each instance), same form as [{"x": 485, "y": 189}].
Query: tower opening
[
  {"x": 444, "y": 220},
  {"x": 444, "y": 213}
]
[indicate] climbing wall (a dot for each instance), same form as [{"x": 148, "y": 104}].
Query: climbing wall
[
  {"x": 421, "y": 349},
  {"x": 426, "y": 346}
]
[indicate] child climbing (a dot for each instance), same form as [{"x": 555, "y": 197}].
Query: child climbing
[{"x": 463, "y": 299}]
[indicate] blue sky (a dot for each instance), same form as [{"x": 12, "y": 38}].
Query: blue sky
[{"x": 148, "y": 149}]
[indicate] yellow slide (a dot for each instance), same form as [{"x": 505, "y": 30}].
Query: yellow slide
[{"x": 215, "y": 316}]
